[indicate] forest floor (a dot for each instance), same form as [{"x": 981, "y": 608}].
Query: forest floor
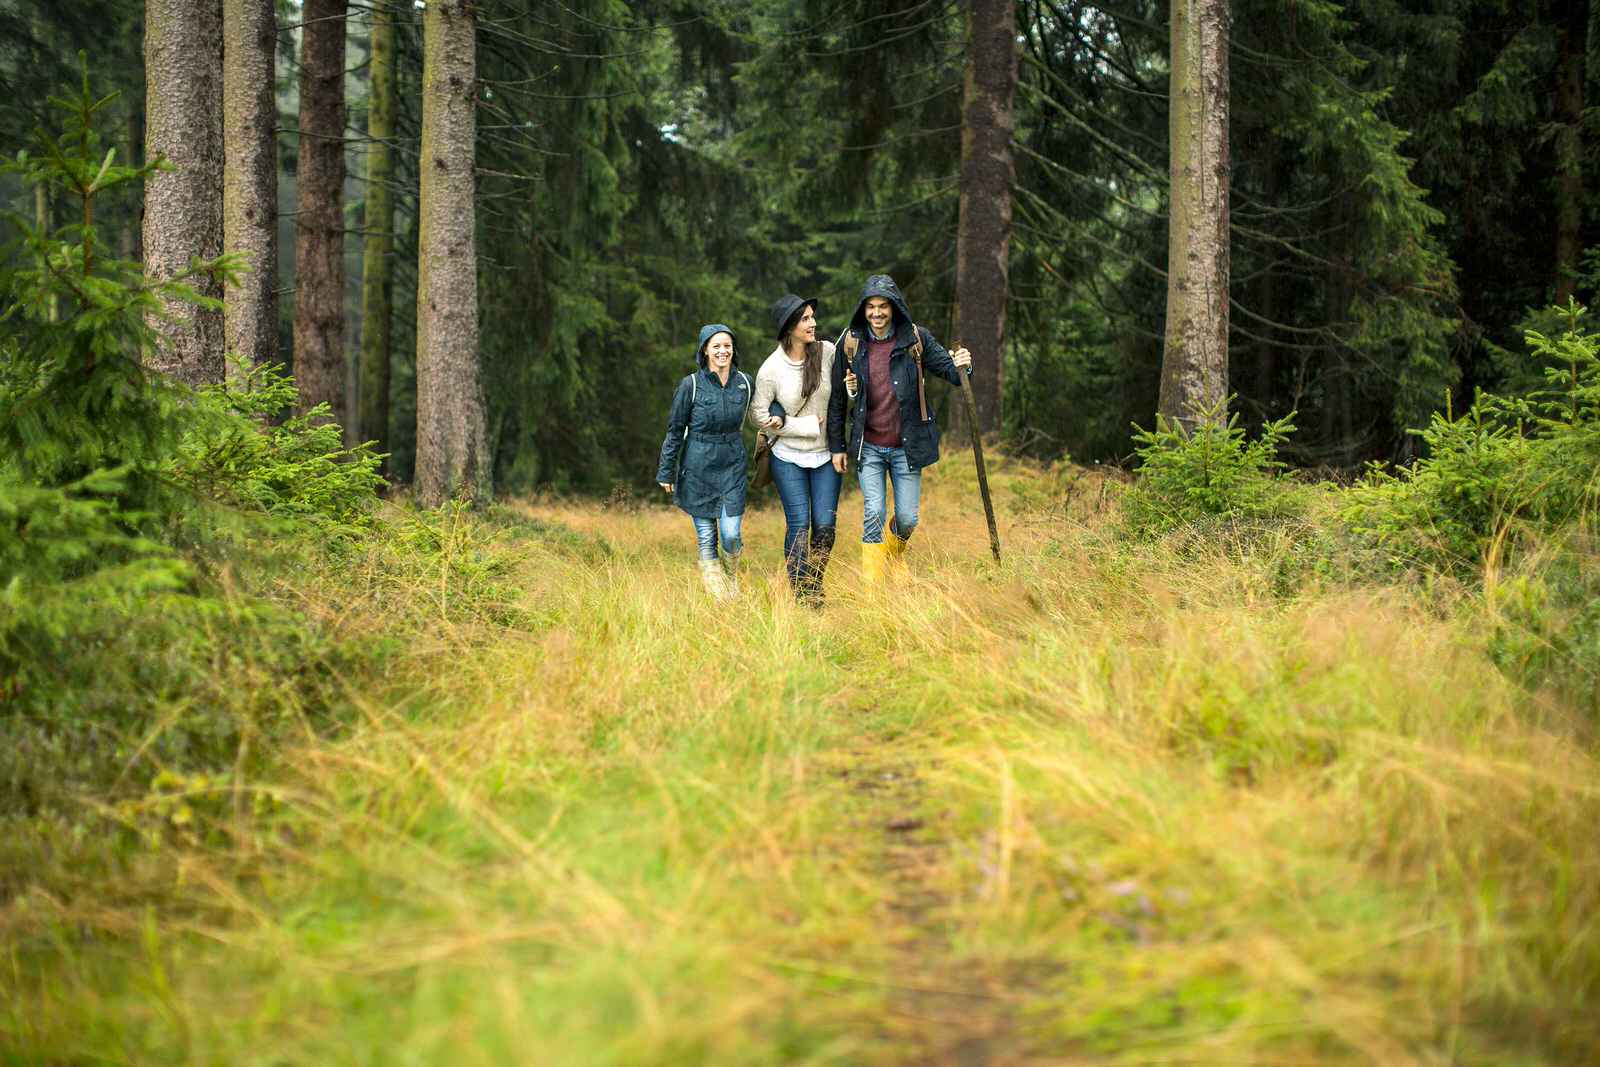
[{"x": 1093, "y": 805}]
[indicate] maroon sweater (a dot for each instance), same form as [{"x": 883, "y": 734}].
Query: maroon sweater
[{"x": 883, "y": 407}]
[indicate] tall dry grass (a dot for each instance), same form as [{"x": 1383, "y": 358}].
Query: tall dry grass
[{"x": 1094, "y": 805}]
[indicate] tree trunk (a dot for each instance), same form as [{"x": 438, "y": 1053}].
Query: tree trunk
[
  {"x": 250, "y": 177},
  {"x": 1574, "y": 28},
  {"x": 983, "y": 234},
  {"x": 377, "y": 284},
  {"x": 42, "y": 223},
  {"x": 319, "y": 211},
  {"x": 451, "y": 456},
  {"x": 183, "y": 206},
  {"x": 1194, "y": 364}
]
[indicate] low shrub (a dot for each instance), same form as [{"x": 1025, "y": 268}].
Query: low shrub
[
  {"x": 1212, "y": 472},
  {"x": 1507, "y": 469}
]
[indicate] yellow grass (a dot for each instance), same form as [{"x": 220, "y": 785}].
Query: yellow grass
[{"x": 1093, "y": 805}]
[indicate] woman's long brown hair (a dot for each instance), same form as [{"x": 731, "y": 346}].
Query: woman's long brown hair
[{"x": 811, "y": 374}]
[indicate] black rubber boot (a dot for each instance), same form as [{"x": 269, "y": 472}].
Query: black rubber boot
[
  {"x": 816, "y": 565},
  {"x": 794, "y": 565}
]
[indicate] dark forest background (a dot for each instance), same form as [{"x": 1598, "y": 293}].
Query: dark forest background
[{"x": 1406, "y": 187}]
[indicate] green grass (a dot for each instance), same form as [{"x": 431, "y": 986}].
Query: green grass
[{"x": 1100, "y": 804}]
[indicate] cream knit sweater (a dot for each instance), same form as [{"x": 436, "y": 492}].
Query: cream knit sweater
[{"x": 806, "y": 428}]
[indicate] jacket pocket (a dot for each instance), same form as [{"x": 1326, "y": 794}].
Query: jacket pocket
[{"x": 922, "y": 442}]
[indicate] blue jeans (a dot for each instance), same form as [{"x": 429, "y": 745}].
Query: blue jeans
[
  {"x": 705, "y": 532},
  {"x": 875, "y": 459},
  {"x": 810, "y": 497}
]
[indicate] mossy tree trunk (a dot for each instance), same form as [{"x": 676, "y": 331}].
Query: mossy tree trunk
[
  {"x": 377, "y": 280},
  {"x": 183, "y": 206},
  {"x": 983, "y": 233},
  {"x": 1573, "y": 28},
  {"x": 1194, "y": 363},
  {"x": 451, "y": 455},
  {"x": 250, "y": 177},
  {"x": 319, "y": 362}
]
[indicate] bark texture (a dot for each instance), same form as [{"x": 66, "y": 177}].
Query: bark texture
[
  {"x": 42, "y": 223},
  {"x": 1570, "y": 77},
  {"x": 319, "y": 211},
  {"x": 183, "y": 206},
  {"x": 1194, "y": 362},
  {"x": 451, "y": 456},
  {"x": 377, "y": 285},
  {"x": 250, "y": 177},
  {"x": 983, "y": 234}
]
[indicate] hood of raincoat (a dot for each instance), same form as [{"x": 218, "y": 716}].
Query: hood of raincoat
[
  {"x": 708, "y": 331},
  {"x": 884, "y": 286}
]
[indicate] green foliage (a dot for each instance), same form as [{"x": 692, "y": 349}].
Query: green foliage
[
  {"x": 1546, "y": 622},
  {"x": 1508, "y": 465},
  {"x": 123, "y": 640},
  {"x": 243, "y": 448},
  {"x": 1211, "y": 472},
  {"x": 74, "y": 394}
]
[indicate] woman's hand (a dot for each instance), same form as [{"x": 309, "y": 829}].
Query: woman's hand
[
  {"x": 840, "y": 462},
  {"x": 667, "y": 486},
  {"x": 772, "y": 423}
]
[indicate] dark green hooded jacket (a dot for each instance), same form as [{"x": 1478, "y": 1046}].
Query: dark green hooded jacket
[
  {"x": 706, "y": 466},
  {"x": 919, "y": 438}
]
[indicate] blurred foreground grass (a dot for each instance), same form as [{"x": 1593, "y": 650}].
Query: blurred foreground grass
[{"x": 1100, "y": 804}]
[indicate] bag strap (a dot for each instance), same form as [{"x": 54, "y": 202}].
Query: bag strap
[
  {"x": 916, "y": 357},
  {"x": 694, "y": 394}
]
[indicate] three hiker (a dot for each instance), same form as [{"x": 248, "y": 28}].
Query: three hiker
[{"x": 803, "y": 394}]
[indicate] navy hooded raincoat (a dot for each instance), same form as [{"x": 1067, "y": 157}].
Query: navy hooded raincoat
[
  {"x": 919, "y": 438},
  {"x": 706, "y": 466}
]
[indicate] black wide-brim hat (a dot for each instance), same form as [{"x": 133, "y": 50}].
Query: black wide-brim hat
[{"x": 787, "y": 308}]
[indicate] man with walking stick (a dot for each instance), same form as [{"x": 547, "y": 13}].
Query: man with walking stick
[{"x": 880, "y": 381}]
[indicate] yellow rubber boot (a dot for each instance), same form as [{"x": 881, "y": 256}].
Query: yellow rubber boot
[
  {"x": 873, "y": 559},
  {"x": 894, "y": 555}
]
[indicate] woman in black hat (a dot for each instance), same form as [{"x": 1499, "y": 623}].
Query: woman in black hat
[{"x": 796, "y": 380}]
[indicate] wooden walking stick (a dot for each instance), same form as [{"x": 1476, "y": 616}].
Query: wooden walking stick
[{"x": 977, "y": 455}]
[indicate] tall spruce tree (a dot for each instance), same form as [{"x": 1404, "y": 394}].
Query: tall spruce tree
[
  {"x": 1194, "y": 363},
  {"x": 319, "y": 357},
  {"x": 452, "y": 453},
  {"x": 377, "y": 281},
  {"x": 983, "y": 232},
  {"x": 183, "y": 204},
  {"x": 250, "y": 176},
  {"x": 1572, "y": 50}
]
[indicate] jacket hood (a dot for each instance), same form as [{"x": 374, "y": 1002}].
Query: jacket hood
[
  {"x": 707, "y": 331},
  {"x": 884, "y": 286}
]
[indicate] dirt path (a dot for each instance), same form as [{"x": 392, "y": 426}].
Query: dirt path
[{"x": 942, "y": 1011}]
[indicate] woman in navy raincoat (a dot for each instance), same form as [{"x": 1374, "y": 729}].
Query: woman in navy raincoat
[{"x": 702, "y": 457}]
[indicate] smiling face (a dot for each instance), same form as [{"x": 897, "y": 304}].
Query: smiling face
[
  {"x": 719, "y": 353},
  {"x": 805, "y": 327},
  {"x": 879, "y": 313}
]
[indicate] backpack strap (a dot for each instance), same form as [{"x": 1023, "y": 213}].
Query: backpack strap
[
  {"x": 916, "y": 357},
  {"x": 850, "y": 341}
]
